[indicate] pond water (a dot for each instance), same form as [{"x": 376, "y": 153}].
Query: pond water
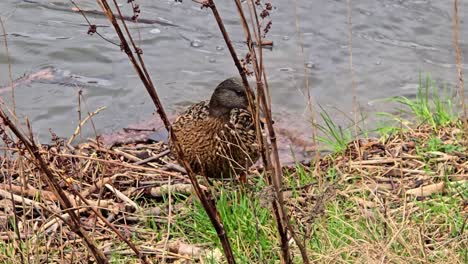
[{"x": 393, "y": 42}]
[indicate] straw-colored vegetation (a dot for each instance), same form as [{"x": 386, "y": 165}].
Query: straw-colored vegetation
[{"x": 400, "y": 198}]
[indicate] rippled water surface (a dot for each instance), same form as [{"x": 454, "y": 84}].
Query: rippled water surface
[{"x": 393, "y": 41}]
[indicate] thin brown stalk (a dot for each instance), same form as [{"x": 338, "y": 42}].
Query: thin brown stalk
[
  {"x": 265, "y": 158},
  {"x": 15, "y": 218},
  {"x": 10, "y": 75},
  {"x": 136, "y": 16},
  {"x": 458, "y": 58},
  {"x": 232, "y": 51},
  {"x": 205, "y": 198},
  {"x": 138, "y": 50},
  {"x": 169, "y": 218},
  {"x": 261, "y": 142},
  {"x": 258, "y": 37},
  {"x": 273, "y": 165},
  {"x": 91, "y": 25},
  {"x": 89, "y": 117},
  {"x": 276, "y": 165},
  {"x": 260, "y": 84},
  {"x": 141, "y": 72},
  {"x": 80, "y": 92},
  {"x": 308, "y": 94},
  {"x": 114, "y": 229},
  {"x": 82, "y": 122},
  {"x": 351, "y": 66}
]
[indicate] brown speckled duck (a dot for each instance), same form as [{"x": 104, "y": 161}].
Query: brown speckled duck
[{"x": 218, "y": 137}]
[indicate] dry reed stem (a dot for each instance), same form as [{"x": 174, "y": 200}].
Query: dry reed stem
[
  {"x": 207, "y": 202},
  {"x": 275, "y": 169},
  {"x": 458, "y": 59},
  {"x": 82, "y": 122},
  {"x": 272, "y": 166},
  {"x": 74, "y": 224},
  {"x": 169, "y": 218},
  {"x": 10, "y": 75},
  {"x": 351, "y": 66},
  {"x": 15, "y": 214},
  {"x": 307, "y": 88},
  {"x": 89, "y": 23}
]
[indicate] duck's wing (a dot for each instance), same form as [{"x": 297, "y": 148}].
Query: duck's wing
[
  {"x": 195, "y": 112},
  {"x": 242, "y": 125}
]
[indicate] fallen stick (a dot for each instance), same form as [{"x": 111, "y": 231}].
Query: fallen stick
[
  {"x": 180, "y": 188},
  {"x": 427, "y": 190},
  {"x": 126, "y": 155},
  {"x": 18, "y": 199},
  {"x": 158, "y": 156},
  {"x": 176, "y": 167},
  {"x": 374, "y": 162},
  {"x": 122, "y": 196},
  {"x": 78, "y": 128},
  {"x": 29, "y": 192},
  {"x": 123, "y": 164}
]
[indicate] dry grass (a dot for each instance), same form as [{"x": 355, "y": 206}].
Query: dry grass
[
  {"x": 404, "y": 201},
  {"x": 398, "y": 199},
  {"x": 124, "y": 183}
]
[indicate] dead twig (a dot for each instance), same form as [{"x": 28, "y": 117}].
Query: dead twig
[
  {"x": 122, "y": 196},
  {"x": 351, "y": 66},
  {"x": 138, "y": 64},
  {"x": 153, "y": 158},
  {"x": 78, "y": 128},
  {"x": 272, "y": 165}
]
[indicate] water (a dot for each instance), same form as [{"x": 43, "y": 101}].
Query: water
[{"x": 393, "y": 41}]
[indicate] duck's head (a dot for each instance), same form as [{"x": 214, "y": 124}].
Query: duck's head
[{"x": 228, "y": 95}]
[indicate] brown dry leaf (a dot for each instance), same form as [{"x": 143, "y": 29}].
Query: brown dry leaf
[{"x": 427, "y": 190}]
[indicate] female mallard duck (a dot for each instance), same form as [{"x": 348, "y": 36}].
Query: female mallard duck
[{"x": 218, "y": 137}]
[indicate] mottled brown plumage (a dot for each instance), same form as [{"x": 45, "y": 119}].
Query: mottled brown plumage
[{"x": 218, "y": 137}]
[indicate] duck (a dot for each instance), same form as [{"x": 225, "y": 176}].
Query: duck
[{"x": 218, "y": 136}]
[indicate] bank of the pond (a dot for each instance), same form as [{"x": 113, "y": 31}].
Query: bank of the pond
[{"x": 398, "y": 198}]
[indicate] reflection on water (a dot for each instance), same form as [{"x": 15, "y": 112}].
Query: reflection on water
[{"x": 392, "y": 42}]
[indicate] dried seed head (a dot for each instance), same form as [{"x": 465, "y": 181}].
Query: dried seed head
[{"x": 92, "y": 29}]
